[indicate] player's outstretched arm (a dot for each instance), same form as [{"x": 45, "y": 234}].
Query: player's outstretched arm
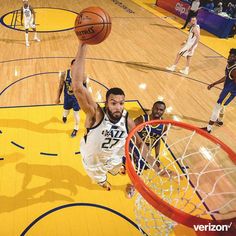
[
  {"x": 216, "y": 82},
  {"x": 81, "y": 93}
]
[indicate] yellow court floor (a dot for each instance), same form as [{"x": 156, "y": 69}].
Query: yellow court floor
[
  {"x": 43, "y": 183},
  {"x": 41, "y": 170}
]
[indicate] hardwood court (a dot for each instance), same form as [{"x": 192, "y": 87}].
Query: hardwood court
[{"x": 142, "y": 43}]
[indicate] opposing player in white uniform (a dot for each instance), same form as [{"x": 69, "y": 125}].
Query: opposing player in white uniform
[
  {"x": 189, "y": 47},
  {"x": 102, "y": 148},
  {"x": 28, "y": 13}
]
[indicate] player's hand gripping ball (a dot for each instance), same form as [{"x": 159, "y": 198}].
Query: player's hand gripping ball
[{"x": 92, "y": 25}]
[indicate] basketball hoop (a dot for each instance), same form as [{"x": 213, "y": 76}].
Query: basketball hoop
[{"x": 199, "y": 184}]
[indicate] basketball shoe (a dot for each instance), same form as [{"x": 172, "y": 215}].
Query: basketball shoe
[
  {"x": 73, "y": 134},
  {"x": 185, "y": 71},
  {"x": 171, "y": 68},
  {"x": 36, "y": 39}
]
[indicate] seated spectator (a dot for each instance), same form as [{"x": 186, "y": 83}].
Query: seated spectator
[
  {"x": 230, "y": 9},
  {"x": 219, "y": 8},
  {"x": 210, "y": 5}
]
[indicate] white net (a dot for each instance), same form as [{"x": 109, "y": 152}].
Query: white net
[{"x": 191, "y": 173}]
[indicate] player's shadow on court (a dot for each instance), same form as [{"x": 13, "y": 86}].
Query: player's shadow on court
[
  {"x": 29, "y": 197},
  {"x": 164, "y": 26},
  {"x": 29, "y": 125},
  {"x": 58, "y": 177},
  {"x": 142, "y": 66}
]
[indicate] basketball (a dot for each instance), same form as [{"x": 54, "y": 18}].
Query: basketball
[{"x": 92, "y": 25}]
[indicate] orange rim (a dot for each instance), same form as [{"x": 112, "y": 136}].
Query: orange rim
[{"x": 160, "y": 205}]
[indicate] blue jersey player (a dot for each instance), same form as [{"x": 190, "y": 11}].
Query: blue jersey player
[
  {"x": 70, "y": 101},
  {"x": 227, "y": 94},
  {"x": 151, "y": 135},
  {"x": 153, "y": 132}
]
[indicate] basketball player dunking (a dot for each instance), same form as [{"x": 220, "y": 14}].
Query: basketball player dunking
[
  {"x": 189, "y": 47},
  {"x": 227, "y": 94},
  {"x": 102, "y": 148},
  {"x": 28, "y": 13}
]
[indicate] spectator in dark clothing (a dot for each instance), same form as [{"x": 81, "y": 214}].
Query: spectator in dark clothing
[
  {"x": 230, "y": 9},
  {"x": 192, "y": 12},
  {"x": 210, "y": 5}
]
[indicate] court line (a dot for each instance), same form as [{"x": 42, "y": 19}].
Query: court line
[
  {"x": 43, "y": 31},
  {"x": 18, "y": 145},
  {"x": 81, "y": 205},
  {"x": 15, "y": 18},
  {"x": 42, "y": 73},
  {"x": 56, "y": 154},
  {"x": 42, "y": 105},
  {"x": 48, "y": 154},
  {"x": 12, "y": 18},
  {"x": 143, "y": 66}
]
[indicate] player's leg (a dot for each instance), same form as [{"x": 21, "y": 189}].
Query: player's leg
[
  {"x": 225, "y": 102},
  {"x": 219, "y": 121},
  {"x": 65, "y": 114},
  {"x": 173, "y": 67},
  {"x": 94, "y": 168},
  {"x": 224, "y": 99},
  {"x": 76, "y": 109},
  {"x": 185, "y": 71},
  {"x": 27, "y": 37},
  {"x": 68, "y": 104},
  {"x": 32, "y": 25}
]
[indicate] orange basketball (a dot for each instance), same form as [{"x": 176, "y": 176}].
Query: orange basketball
[{"x": 92, "y": 25}]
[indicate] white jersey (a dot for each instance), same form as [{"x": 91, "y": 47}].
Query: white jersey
[
  {"x": 27, "y": 13},
  {"x": 184, "y": 51},
  {"x": 103, "y": 147},
  {"x": 192, "y": 37}
]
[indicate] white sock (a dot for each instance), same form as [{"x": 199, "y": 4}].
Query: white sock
[
  {"x": 222, "y": 112},
  {"x": 66, "y": 113},
  {"x": 216, "y": 112},
  {"x": 35, "y": 35},
  {"x": 209, "y": 127},
  {"x": 27, "y": 37},
  {"x": 77, "y": 120}
]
